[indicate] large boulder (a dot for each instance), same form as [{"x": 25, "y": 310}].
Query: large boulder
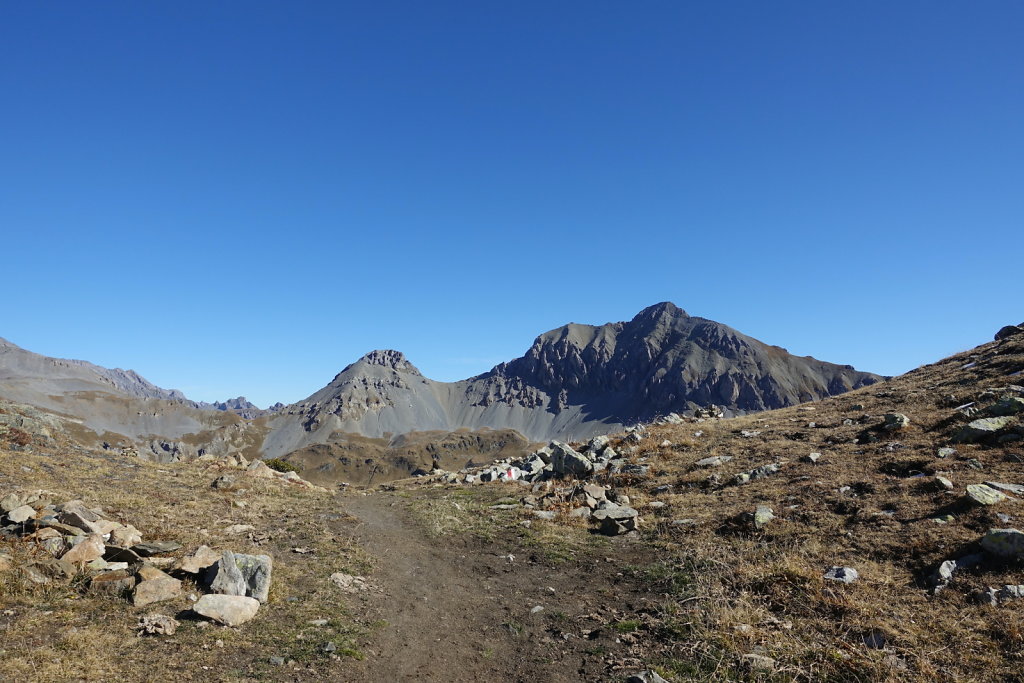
[
  {"x": 1004, "y": 543},
  {"x": 1007, "y": 406},
  {"x": 241, "y": 574},
  {"x": 983, "y": 429},
  {"x": 1009, "y": 331},
  {"x": 565, "y": 460}
]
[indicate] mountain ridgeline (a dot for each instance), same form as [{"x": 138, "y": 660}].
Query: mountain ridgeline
[{"x": 575, "y": 382}]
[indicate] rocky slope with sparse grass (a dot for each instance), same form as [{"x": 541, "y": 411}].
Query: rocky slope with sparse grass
[{"x": 869, "y": 536}]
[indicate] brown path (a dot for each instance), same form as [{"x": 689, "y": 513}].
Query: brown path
[{"x": 458, "y": 609}]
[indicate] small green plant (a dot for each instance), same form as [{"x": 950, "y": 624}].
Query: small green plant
[
  {"x": 280, "y": 465},
  {"x": 627, "y": 626}
]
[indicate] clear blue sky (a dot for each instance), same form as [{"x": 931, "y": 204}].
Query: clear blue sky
[{"x": 244, "y": 197}]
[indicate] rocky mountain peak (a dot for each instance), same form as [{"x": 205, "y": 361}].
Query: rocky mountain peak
[
  {"x": 666, "y": 310},
  {"x": 389, "y": 358}
]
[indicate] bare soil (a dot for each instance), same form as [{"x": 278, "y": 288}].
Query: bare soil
[{"x": 461, "y": 607}]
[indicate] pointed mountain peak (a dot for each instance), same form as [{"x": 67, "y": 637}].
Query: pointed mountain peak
[{"x": 665, "y": 309}]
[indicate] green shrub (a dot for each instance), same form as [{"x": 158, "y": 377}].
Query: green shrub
[{"x": 280, "y": 465}]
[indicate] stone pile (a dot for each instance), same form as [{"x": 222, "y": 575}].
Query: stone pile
[
  {"x": 588, "y": 501},
  {"x": 69, "y": 540}
]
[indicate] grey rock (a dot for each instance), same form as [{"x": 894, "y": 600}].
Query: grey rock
[
  {"x": 565, "y": 460},
  {"x": 1007, "y": 406},
  {"x": 616, "y": 519},
  {"x": 895, "y": 421},
  {"x": 762, "y": 516},
  {"x": 155, "y": 586},
  {"x": 985, "y": 428},
  {"x": 241, "y": 574},
  {"x": 946, "y": 452},
  {"x": 843, "y": 574},
  {"x": 763, "y": 471},
  {"x": 713, "y": 461},
  {"x": 12, "y": 501},
  {"x": 812, "y": 457},
  {"x": 648, "y": 676},
  {"x": 984, "y": 495},
  {"x": 1004, "y": 543},
  {"x": 21, "y": 514},
  {"x": 155, "y": 548},
  {"x": 1016, "y": 489},
  {"x": 544, "y": 514},
  {"x": 943, "y": 484},
  {"x": 230, "y": 610}
]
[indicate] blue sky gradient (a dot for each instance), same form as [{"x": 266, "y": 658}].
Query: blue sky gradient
[{"x": 244, "y": 197}]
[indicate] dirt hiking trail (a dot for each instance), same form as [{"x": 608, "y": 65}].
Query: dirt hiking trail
[{"x": 460, "y": 608}]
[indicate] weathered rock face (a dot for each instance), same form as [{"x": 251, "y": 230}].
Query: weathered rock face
[{"x": 575, "y": 382}]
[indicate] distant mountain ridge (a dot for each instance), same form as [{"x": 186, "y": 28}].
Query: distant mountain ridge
[
  {"x": 34, "y": 373},
  {"x": 574, "y": 382}
]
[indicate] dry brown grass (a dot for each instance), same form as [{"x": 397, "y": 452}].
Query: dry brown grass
[
  {"x": 763, "y": 591},
  {"x": 61, "y": 632}
]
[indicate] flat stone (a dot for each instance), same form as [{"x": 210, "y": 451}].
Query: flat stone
[
  {"x": 713, "y": 461},
  {"x": 943, "y": 483},
  {"x": 91, "y": 548},
  {"x": 1007, "y": 406},
  {"x": 12, "y": 501},
  {"x": 155, "y": 586},
  {"x": 116, "y": 583},
  {"x": 155, "y": 548},
  {"x": 544, "y": 514},
  {"x": 1003, "y": 486},
  {"x": 565, "y": 460},
  {"x": 201, "y": 559},
  {"x": 230, "y": 610},
  {"x": 21, "y": 514},
  {"x": 125, "y": 536},
  {"x": 843, "y": 574},
  {"x": 116, "y": 554},
  {"x": 946, "y": 452},
  {"x": 985, "y": 495}
]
